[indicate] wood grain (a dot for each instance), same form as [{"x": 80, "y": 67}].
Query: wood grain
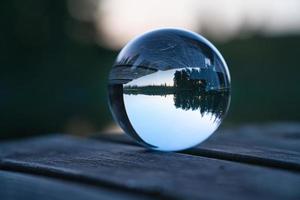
[
  {"x": 266, "y": 145},
  {"x": 164, "y": 175},
  {"x": 26, "y": 186}
]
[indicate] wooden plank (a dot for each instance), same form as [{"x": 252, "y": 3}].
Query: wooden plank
[
  {"x": 267, "y": 145},
  {"x": 168, "y": 175},
  {"x": 281, "y": 159},
  {"x": 273, "y": 145},
  {"x": 19, "y": 186},
  {"x": 283, "y": 136}
]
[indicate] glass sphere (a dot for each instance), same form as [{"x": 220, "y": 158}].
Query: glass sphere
[{"x": 169, "y": 89}]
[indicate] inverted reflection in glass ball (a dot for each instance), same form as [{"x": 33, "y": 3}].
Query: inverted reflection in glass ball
[{"x": 169, "y": 89}]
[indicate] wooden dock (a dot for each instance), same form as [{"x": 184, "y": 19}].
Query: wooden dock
[{"x": 247, "y": 162}]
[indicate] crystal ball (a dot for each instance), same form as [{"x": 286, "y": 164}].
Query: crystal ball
[{"x": 169, "y": 89}]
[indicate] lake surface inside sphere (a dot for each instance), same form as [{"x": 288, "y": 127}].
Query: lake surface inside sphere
[{"x": 169, "y": 89}]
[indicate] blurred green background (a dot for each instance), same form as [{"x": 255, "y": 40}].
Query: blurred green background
[{"x": 55, "y": 57}]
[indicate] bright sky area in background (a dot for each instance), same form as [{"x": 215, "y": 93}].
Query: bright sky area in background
[{"x": 119, "y": 21}]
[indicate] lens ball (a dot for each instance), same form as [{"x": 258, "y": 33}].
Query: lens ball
[{"x": 169, "y": 89}]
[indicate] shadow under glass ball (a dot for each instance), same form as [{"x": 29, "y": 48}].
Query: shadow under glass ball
[{"x": 169, "y": 89}]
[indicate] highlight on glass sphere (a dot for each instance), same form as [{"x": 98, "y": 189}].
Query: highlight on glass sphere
[{"x": 169, "y": 89}]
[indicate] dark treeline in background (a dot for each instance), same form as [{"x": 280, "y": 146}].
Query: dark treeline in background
[
  {"x": 51, "y": 81},
  {"x": 214, "y": 103}
]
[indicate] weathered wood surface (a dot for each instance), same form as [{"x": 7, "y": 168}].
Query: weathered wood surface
[
  {"x": 26, "y": 186},
  {"x": 117, "y": 165},
  {"x": 282, "y": 136},
  {"x": 273, "y": 145}
]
